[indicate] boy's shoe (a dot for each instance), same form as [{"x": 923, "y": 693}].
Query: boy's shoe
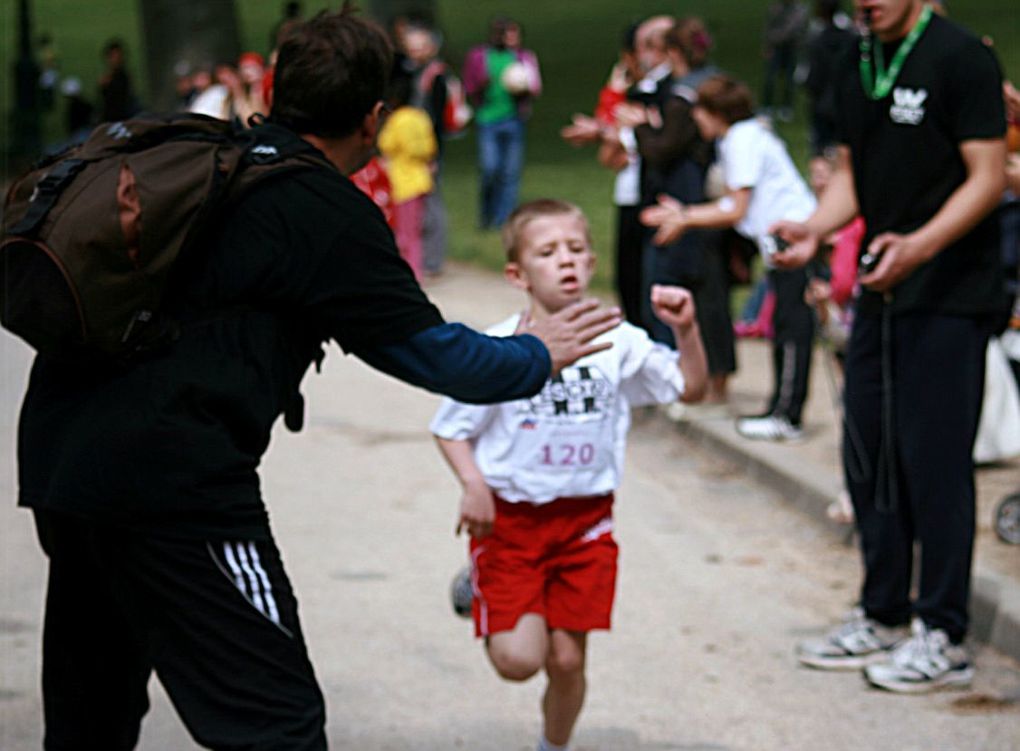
[
  {"x": 769, "y": 428},
  {"x": 857, "y": 642},
  {"x": 925, "y": 662},
  {"x": 676, "y": 412},
  {"x": 462, "y": 593}
]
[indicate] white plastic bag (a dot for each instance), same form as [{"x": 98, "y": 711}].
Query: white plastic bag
[{"x": 998, "y": 435}]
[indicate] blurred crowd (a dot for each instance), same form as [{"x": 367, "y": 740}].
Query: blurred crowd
[{"x": 702, "y": 173}]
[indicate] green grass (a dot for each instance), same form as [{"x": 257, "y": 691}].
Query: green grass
[{"x": 576, "y": 43}]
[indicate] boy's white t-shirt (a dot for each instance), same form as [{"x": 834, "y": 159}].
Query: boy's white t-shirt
[
  {"x": 569, "y": 440},
  {"x": 752, "y": 156}
]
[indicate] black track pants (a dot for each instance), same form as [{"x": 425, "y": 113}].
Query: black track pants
[{"x": 216, "y": 620}]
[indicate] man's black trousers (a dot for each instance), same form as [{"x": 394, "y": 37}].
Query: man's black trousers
[
  {"x": 935, "y": 369},
  {"x": 630, "y": 234},
  {"x": 216, "y": 620},
  {"x": 794, "y": 324}
]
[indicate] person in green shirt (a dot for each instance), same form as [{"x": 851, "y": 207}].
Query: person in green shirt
[{"x": 501, "y": 79}]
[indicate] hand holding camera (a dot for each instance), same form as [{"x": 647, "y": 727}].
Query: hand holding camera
[
  {"x": 771, "y": 244},
  {"x": 792, "y": 245}
]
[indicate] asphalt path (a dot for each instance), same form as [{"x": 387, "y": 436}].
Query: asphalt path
[{"x": 718, "y": 580}]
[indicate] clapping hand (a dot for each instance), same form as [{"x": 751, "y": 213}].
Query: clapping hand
[
  {"x": 630, "y": 115},
  {"x": 582, "y": 130},
  {"x": 669, "y": 216},
  {"x": 619, "y": 78}
]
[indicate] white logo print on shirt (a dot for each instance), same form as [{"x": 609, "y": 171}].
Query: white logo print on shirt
[{"x": 908, "y": 106}]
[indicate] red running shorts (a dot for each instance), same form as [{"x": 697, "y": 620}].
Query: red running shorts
[{"x": 556, "y": 559}]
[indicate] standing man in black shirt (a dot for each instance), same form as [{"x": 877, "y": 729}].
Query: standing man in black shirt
[
  {"x": 922, "y": 155},
  {"x": 143, "y": 479}
]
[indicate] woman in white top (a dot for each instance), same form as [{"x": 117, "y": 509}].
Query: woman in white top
[{"x": 762, "y": 187}]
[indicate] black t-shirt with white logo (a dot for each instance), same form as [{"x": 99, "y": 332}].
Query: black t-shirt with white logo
[
  {"x": 907, "y": 162},
  {"x": 172, "y": 443}
]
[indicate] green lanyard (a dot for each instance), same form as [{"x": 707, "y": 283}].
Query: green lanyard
[{"x": 878, "y": 83}]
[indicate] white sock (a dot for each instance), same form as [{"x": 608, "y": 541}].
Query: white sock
[{"x": 545, "y": 745}]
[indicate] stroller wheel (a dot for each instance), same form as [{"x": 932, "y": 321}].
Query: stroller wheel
[{"x": 1007, "y": 519}]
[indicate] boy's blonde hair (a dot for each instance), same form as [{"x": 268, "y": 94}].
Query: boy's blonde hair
[{"x": 513, "y": 229}]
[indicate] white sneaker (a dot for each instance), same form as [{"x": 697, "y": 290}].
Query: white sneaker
[
  {"x": 927, "y": 661},
  {"x": 769, "y": 428},
  {"x": 857, "y": 642}
]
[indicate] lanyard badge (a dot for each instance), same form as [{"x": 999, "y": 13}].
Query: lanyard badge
[{"x": 876, "y": 79}]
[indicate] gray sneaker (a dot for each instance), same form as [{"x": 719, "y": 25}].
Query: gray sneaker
[
  {"x": 855, "y": 643},
  {"x": 927, "y": 661},
  {"x": 462, "y": 592}
]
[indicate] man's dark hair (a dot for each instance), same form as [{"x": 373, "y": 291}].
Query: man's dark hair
[{"x": 330, "y": 73}]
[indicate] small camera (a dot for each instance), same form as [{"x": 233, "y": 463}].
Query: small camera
[
  {"x": 867, "y": 263},
  {"x": 772, "y": 244}
]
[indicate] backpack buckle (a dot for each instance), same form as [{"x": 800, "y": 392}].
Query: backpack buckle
[
  {"x": 54, "y": 180},
  {"x": 45, "y": 195}
]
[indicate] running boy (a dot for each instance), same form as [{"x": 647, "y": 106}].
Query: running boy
[{"x": 538, "y": 474}]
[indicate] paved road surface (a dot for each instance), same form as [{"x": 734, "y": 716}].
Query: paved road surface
[{"x": 718, "y": 580}]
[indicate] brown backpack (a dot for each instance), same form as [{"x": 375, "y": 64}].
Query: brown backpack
[{"x": 91, "y": 236}]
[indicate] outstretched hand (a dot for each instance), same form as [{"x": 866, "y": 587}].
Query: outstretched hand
[
  {"x": 568, "y": 334},
  {"x": 668, "y": 216}
]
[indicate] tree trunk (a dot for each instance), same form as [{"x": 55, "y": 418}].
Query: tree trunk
[
  {"x": 25, "y": 136},
  {"x": 190, "y": 33}
]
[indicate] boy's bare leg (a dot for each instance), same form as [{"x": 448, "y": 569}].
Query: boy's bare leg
[
  {"x": 519, "y": 654},
  {"x": 564, "y": 695}
]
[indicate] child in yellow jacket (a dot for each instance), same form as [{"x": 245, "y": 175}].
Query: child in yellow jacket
[{"x": 407, "y": 141}]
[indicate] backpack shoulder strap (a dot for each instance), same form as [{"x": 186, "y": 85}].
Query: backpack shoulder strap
[{"x": 46, "y": 193}]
